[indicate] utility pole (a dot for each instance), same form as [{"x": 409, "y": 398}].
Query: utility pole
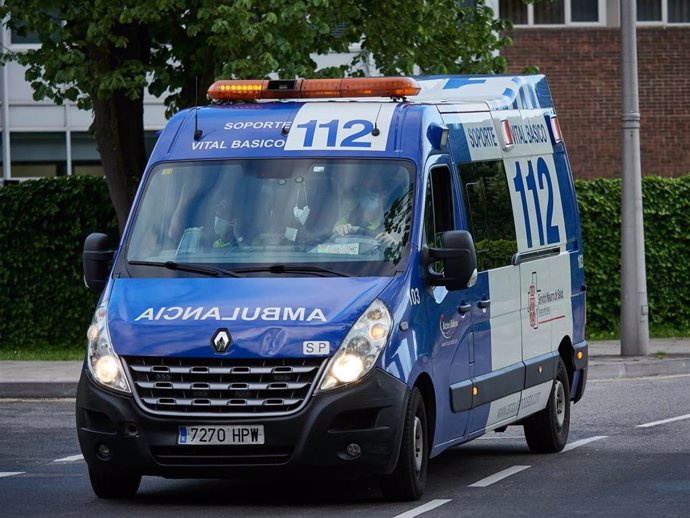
[{"x": 634, "y": 309}]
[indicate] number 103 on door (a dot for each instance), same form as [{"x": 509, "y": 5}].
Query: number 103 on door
[{"x": 536, "y": 202}]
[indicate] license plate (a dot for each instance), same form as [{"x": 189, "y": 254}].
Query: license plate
[{"x": 214, "y": 435}]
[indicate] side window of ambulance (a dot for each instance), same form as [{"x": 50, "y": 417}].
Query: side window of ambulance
[
  {"x": 489, "y": 212},
  {"x": 438, "y": 210}
]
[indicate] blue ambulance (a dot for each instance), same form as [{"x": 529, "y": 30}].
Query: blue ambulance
[{"x": 338, "y": 277}]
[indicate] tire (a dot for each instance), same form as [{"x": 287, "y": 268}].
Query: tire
[
  {"x": 547, "y": 431},
  {"x": 106, "y": 485},
  {"x": 408, "y": 479}
]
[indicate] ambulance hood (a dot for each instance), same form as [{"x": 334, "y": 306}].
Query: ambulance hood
[{"x": 265, "y": 317}]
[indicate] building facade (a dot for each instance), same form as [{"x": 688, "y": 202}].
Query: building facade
[
  {"x": 40, "y": 138},
  {"x": 576, "y": 43}
]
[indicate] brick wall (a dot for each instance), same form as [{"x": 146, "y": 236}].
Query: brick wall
[{"x": 584, "y": 71}]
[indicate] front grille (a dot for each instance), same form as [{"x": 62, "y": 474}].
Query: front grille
[
  {"x": 234, "y": 387},
  {"x": 221, "y": 455}
]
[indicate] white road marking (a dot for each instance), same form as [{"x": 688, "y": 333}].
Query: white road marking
[
  {"x": 422, "y": 508},
  {"x": 501, "y": 438},
  {"x": 10, "y": 473},
  {"x": 73, "y": 458},
  {"x": 582, "y": 442},
  {"x": 499, "y": 476},
  {"x": 664, "y": 421}
]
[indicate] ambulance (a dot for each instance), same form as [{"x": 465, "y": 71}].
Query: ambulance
[{"x": 338, "y": 278}]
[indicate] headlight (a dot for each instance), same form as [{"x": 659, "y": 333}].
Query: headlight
[
  {"x": 104, "y": 365},
  {"x": 359, "y": 351}
]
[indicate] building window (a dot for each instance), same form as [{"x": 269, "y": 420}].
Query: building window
[
  {"x": 549, "y": 13},
  {"x": 584, "y": 11},
  {"x": 678, "y": 11},
  {"x": 556, "y": 12},
  {"x": 649, "y": 11},
  {"x": 663, "y": 11},
  {"x": 30, "y": 38}
]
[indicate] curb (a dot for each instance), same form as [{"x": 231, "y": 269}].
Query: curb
[
  {"x": 38, "y": 390},
  {"x": 642, "y": 367}
]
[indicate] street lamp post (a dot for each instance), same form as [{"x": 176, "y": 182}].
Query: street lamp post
[{"x": 634, "y": 308}]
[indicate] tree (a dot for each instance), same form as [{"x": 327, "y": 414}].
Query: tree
[{"x": 103, "y": 54}]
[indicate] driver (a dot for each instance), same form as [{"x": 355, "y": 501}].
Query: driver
[{"x": 366, "y": 214}]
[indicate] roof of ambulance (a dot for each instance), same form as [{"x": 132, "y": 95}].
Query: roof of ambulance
[{"x": 262, "y": 120}]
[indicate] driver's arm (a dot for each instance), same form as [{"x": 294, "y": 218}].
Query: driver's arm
[
  {"x": 388, "y": 239},
  {"x": 344, "y": 229}
]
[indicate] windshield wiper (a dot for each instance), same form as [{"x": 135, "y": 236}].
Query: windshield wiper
[
  {"x": 190, "y": 267},
  {"x": 320, "y": 271}
]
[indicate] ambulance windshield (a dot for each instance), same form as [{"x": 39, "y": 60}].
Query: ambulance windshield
[{"x": 349, "y": 215}]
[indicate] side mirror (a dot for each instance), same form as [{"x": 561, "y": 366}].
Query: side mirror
[
  {"x": 459, "y": 260},
  {"x": 97, "y": 257}
]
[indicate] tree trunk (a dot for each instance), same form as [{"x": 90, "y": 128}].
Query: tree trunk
[{"x": 119, "y": 130}]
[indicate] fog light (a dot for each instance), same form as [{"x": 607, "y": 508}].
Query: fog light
[
  {"x": 353, "y": 450},
  {"x": 104, "y": 452}
]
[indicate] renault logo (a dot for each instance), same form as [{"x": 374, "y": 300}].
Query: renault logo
[{"x": 221, "y": 340}]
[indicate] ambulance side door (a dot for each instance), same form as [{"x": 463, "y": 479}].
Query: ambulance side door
[
  {"x": 449, "y": 315},
  {"x": 498, "y": 375}
]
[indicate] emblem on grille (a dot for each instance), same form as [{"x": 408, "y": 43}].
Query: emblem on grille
[{"x": 221, "y": 340}]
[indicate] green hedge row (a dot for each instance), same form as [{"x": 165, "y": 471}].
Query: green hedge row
[
  {"x": 43, "y": 223},
  {"x": 666, "y": 203}
]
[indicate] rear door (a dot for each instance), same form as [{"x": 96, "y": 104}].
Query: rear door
[{"x": 542, "y": 257}]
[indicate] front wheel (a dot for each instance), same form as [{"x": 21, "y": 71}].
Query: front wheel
[
  {"x": 106, "y": 485},
  {"x": 547, "y": 431},
  {"x": 408, "y": 479}
]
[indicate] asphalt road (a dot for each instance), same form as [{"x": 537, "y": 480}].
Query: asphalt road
[{"x": 624, "y": 458}]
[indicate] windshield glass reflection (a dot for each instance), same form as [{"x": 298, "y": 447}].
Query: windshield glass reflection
[{"x": 354, "y": 214}]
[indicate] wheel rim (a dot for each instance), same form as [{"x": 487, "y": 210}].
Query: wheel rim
[
  {"x": 559, "y": 396},
  {"x": 418, "y": 444}
]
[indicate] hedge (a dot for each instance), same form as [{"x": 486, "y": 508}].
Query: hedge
[
  {"x": 43, "y": 223},
  {"x": 666, "y": 203}
]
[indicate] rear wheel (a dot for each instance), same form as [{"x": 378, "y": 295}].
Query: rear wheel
[
  {"x": 106, "y": 485},
  {"x": 408, "y": 479},
  {"x": 547, "y": 431}
]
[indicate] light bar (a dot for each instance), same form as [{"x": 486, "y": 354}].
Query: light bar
[{"x": 247, "y": 89}]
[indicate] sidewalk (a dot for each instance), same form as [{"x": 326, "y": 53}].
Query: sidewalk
[{"x": 58, "y": 379}]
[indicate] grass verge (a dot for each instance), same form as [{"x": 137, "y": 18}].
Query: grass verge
[{"x": 31, "y": 354}]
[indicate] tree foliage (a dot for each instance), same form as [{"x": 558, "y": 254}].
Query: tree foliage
[{"x": 104, "y": 55}]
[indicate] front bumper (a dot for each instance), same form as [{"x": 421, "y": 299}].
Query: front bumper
[{"x": 369, "y": 413}]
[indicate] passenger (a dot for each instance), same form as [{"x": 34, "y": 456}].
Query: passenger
[{"x": 226, "y": 227}]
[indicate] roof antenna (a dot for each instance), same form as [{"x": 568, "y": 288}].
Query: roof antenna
[
  {"x": 197, "y": 131},
  {"x": 376, "y": 131}
]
